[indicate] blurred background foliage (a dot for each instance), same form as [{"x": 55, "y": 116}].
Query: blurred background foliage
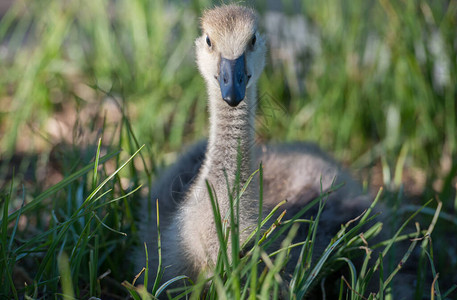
[
  {"x": 362, "y": 78},
  {"x": 374, "y": 82}
]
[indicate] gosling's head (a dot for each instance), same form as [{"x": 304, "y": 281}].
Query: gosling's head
[{"x": 230, "y": 51}]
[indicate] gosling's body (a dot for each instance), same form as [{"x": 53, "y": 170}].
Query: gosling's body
[
  {"x": 298, "y": 172},
  {"x": 230, "y": 56}
]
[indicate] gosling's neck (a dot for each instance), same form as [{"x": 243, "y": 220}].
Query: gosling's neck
[
  {"x": 231, "y": 137},
  {"x": 231, "y": 132}
]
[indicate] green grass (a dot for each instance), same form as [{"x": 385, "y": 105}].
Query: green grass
[{"x": 124, "y": 72}]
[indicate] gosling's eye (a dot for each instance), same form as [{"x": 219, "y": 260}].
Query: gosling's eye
[
  {"x": 254, "y": 39},
  {"x": 208, "y": 41}
]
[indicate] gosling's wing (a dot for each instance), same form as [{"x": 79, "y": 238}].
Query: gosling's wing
[
  {"x": 300, "y": 172},
  {"x": 173, "y": 183}
]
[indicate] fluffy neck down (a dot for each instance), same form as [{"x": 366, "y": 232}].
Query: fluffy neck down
[{"x": 231, "y": 136}]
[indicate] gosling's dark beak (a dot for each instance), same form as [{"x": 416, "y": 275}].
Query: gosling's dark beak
[{"x": 232, "y": 80}]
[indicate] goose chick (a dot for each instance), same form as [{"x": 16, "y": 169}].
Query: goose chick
[{"x": 230, "y": 56}]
